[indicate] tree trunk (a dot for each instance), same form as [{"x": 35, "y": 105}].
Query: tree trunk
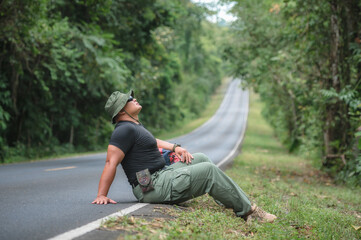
[
  {"x": 331, "y": 108},
  {"x": 335, "y": 40},
  {"x": 71, "y": 138}
]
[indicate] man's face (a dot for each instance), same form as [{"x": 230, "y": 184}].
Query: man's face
[{"x": 132, "y": 106}]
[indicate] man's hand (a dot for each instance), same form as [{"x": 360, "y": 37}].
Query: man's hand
[
  {"x": 183, "y": 155},
  {"x": 103, "y": 200}
]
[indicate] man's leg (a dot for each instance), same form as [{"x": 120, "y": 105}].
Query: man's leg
[
  {"x": 198, "y": 179},
  {"x": 181, "y": 182},
  {"x": 198, "y": 158},
  {"x": 164, "y": 179}
]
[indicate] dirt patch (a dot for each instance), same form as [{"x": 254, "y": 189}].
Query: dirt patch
[
  {"x": 306, "y": 174},
  {"x": 153, "y": 218}
]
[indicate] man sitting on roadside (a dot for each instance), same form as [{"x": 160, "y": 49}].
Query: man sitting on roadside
[{"x": 137, "y": 150}]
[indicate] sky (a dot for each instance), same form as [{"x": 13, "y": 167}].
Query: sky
[{"x": 221, "y": 8}]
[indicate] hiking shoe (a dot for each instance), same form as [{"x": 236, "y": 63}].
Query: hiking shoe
[{"x": 261, "y": 215}]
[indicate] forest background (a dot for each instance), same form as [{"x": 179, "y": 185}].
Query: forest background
[{"x": 61, "y": 59}]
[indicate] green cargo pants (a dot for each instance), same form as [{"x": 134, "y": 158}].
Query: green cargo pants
[{"x": 180, "y": 182}]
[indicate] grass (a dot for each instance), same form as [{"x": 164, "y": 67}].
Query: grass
[{"x": 307, "y": 202}]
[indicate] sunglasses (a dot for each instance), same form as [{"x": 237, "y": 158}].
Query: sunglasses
[{"x": 130, "y": 99}]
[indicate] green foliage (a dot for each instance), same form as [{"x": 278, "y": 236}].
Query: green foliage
[
  {"x": 61, "y": 59},
  {"x": 306, "y": 67},
  {"x": 351, "y": 174}
]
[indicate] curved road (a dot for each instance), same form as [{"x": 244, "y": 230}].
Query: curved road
[
  {"x": 43, "y": 199},
  {"x": 220, "y": 136}
]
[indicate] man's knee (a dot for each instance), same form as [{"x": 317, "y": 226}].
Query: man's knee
[
  {"x": 205, "y": 169},
  {"x": 201, "y": 157}
]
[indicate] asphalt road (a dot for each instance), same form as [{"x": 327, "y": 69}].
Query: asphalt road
[
  {"x": 40, "y": 200},
  {"x": 219, "y": 135}
]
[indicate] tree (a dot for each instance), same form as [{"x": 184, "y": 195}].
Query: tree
[
  {"x": 303, "y": 58},
  {"x": 61, "y": 59}
]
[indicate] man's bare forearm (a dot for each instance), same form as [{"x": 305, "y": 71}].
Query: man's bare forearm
[
  {"x": 164, "y": 144},
  {"x": 182, "y": 153},
  {"x": 106, "y": 179}
]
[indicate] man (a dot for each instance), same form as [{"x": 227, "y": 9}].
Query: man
[{"x": 136, "y": 149}]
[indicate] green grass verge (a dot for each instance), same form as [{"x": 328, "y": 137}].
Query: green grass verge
[{"x": 308, "y": 204}]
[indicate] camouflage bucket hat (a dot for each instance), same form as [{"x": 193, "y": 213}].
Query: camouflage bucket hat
[{"x": 116, "y": 102}]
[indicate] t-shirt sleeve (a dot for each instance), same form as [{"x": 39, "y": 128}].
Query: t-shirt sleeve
[{"x": 123, "y": 137}]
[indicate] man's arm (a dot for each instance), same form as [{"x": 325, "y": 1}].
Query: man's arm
[
  {"x": 182, "y": 153},
  {"x": 114, "y": 157}
]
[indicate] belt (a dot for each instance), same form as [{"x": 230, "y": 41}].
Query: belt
[{"x": 136, "y": 183}]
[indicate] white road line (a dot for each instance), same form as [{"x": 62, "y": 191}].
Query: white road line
[
  {"x": 58, "y": 169},
  {"x": 245, "y": 116},
  {"x": 77, "y": 232}
]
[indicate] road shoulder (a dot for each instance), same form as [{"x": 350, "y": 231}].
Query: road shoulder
[{"x": 155, "y": 214}]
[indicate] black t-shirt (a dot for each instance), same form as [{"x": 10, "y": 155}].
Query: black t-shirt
[{"x": 139, "y": 146}]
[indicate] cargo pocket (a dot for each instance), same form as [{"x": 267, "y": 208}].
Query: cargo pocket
[{"x": 181, "y": 184}]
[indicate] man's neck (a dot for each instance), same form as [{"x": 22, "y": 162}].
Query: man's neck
[{"x": 130, "y": 118}]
